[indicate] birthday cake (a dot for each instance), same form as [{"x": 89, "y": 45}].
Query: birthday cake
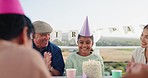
[{"x": 92, "y": 69}]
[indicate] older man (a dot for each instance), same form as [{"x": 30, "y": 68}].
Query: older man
[{"x": 51, "y": 52}]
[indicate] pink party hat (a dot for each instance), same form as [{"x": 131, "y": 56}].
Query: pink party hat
[
  {"x": 10, "y": 7},
  {"x": 85, "y": 31}
]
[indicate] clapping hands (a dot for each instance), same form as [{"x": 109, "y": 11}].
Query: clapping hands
[{"x": 47, "y": 58}]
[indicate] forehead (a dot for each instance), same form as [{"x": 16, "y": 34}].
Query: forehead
[
  {"x": 42, "y": 33},
  {"x": 84, "y": 38},
  {"x": 145, "y": 31}
]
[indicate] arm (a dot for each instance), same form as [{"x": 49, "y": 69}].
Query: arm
[
  {"x": 136, "y": 55},
  {"x": 102, "y": 64},
  {"x": 132, "y": 60},
  {"x": 69, "y": 63},
  {"x": 57, "y": 62},
  {"x": 54, "y": 72},
  {"x": 129, "y": 64}
]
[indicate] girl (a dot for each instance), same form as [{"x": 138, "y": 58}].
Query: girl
[{"x": 85, "y": 42}]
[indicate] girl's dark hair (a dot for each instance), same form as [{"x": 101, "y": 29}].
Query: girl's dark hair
[
  {"x": 11, "y": 25},
  {"x": 92, "y": 37},
  {"x": 30, "y": 27},
  {"x": 145, "y": 27}
]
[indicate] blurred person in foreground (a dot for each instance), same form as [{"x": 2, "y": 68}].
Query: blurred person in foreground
[
  {"x": 140, "y": 55},
  {"x": 52, "y": 53},
  {"x": 17, "y": 58},
  {"x": 85, "y": 43},
  {"x": 136, "y": 70}
]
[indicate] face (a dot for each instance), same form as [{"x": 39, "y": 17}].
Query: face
[
  {"x": 85, "y": 45},
  {"x": 144, "y": 38},
  {"x": 41, "y": 39}
]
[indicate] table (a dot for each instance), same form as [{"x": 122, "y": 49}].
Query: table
[
  {"x": 64, "y": 77},
  {"x": 78, "y": 77}
]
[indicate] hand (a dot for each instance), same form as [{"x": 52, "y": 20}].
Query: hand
[
  {"x": 136, "y": 70},
  {"x": 47, "y": 58},
  {"x": 129, "y": 66}
]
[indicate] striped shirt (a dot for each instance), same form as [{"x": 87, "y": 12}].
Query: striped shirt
[{"x": 139, "y": 55}]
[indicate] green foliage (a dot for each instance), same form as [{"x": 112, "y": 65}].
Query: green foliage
[
  {"x": 57, "y": 42},
  {"x": 115, "y": 41},
  {"x": 104, "y": 41},
  {"x": 115, "y": 65}
]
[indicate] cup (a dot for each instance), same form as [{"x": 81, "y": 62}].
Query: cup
[
  {"x": 116, "y": 73},
  {"x": 70, "y": 73}
]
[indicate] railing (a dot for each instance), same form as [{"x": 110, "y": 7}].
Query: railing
[
  {"x": 97, "y": 47},
  {"x": 109, "y": 63}
]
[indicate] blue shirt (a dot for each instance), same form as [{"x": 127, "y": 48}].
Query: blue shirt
[{"x": 57, "y": 58}]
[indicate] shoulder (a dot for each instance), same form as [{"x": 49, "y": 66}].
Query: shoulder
[
  {"x": 139, "y": 50},
  {"x": 72, "y": 55},
  {"x": 20, "y": 50},
  {"x": 97, "y": 56},
  {"x": 32, "y": 56},
  {"x": 29, "y": 52},
  {"x": 25, "y": 54},
  {"x": 24, "y": 58},
  {"x": 52, "y": 45},
  {"x": 34, "y": 59}
]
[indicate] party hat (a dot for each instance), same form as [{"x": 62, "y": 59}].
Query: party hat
[
  {"x": 10, "y": 7},
  {"x": 85, "y": 31}
]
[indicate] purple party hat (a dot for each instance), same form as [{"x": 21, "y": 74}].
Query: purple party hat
[
  {"x": 85, "y": 31},
  {"x": 10, "y": 7}
]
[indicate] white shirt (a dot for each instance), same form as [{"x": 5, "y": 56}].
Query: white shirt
[{"x": 139, "y": 55}]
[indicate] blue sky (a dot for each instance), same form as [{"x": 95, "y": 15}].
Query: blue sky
[{"x": 68, "y": 15}]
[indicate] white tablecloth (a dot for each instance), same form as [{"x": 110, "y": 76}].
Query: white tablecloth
[{"x": 78, "y": 77}]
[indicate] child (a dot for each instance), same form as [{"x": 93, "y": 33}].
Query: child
[{"x": 85, "y": 43}]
